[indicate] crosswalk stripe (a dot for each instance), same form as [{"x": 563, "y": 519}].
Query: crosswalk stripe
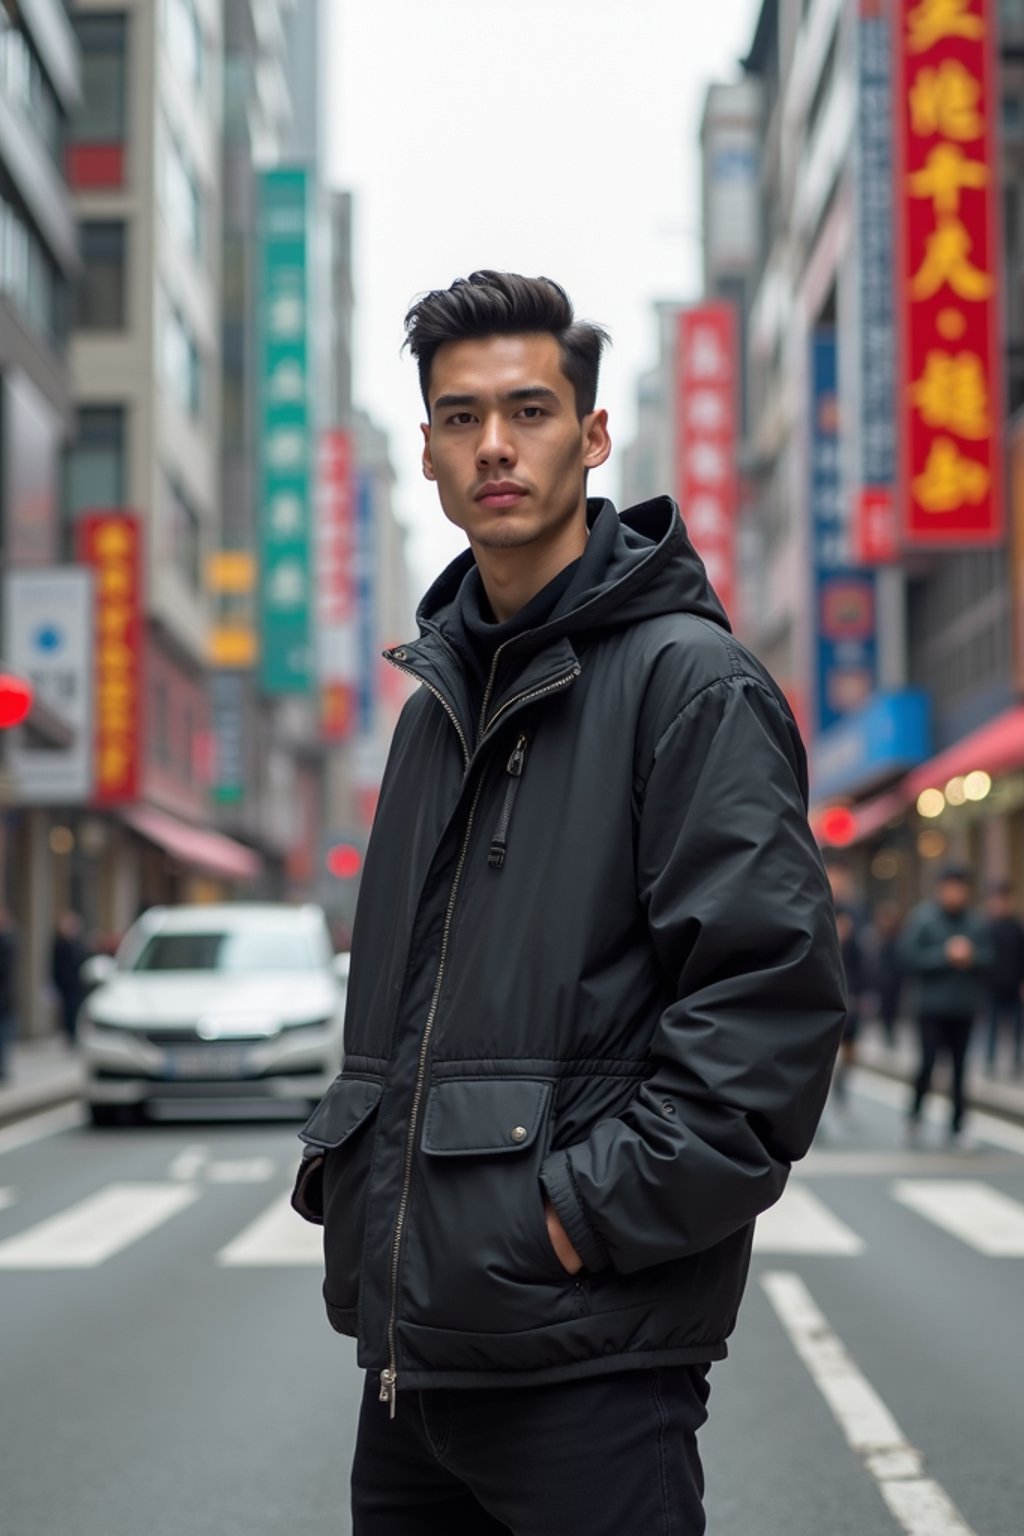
[
  {"x": 96, "y": 1228},
  {"x": 277, "y": 1237},
  {"x": 6, "y": 1198},
  {"x": 801, "y": 1223},
  {"x": 983, "y": 1217}
]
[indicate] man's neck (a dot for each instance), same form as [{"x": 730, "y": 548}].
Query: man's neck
[{"x": 511, "y": 577}]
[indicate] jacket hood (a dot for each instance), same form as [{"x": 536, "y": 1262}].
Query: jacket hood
[{"x": 637, "y": 565}]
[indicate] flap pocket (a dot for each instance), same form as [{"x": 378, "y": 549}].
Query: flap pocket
[
  {"x": 342, "y": 1110},
  {"x": 484, "y": 1115}
]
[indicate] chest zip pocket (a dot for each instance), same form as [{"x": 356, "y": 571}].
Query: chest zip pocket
[{"x": 515, "y": 768}]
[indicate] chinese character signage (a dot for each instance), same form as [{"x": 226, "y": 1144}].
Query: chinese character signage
[
  {"x": 947, "y": 181},
  {"x": 227, "y": 721},
  {"x": 336, "y": 618},
  {"x": 843, "y": 596},
  {"x": 365, "y": 567},
  {"x": 873, "y": 524},
  {"x": 285, "y": 437},
  {"x": 48, "y": 638},
  {"x": 705, "y": 404},
  {"x": 110, "y": 543}
]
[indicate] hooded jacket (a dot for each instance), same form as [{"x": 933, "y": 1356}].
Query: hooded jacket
[{"x": 594, "y": 961}]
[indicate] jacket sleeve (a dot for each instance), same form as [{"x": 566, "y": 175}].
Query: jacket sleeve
[
  {"x": 922, "y": 946},
  {"x": 984, "y": 946},
  {"x": 741, "y": 920}
]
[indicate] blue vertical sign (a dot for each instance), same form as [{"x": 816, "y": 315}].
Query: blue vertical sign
[
  {"x": 367, "y": 650},
  {"x": 844, "y": 598},
  {"x": 285, "y": 439}
]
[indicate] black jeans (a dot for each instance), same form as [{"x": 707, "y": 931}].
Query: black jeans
[
  {"x": 952, "y": 1035},
  {"x": 606, "y": 1456}
]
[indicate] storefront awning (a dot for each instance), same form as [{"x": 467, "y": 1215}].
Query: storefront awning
[
  {"x": 996, "y": 747},
  {"x": 197, "y": 847}
]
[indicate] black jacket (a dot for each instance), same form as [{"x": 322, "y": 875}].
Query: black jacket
[
  {"x": 594, "y": 958},
  {"x": 945, "y": 990},
  {"x": 1007, "y": 973}
]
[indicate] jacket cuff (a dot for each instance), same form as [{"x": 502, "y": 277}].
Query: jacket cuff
[{"x": 556, "y": 1177}]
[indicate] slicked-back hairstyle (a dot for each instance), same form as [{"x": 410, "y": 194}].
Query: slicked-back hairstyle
[{"x": 505, "y": 304}]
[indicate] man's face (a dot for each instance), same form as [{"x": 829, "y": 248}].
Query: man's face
[
  {"x": 504, "y": 443},
  {"x": 953, "y": 895}
]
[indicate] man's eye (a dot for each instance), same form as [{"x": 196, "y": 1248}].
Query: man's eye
[
  {"x": 532, "y": 412},
  {"x": 460, "y": 419}
]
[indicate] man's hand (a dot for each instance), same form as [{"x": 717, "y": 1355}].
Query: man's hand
[
  {"x": 960, "y": 951},
  {"x": 564, "y": 1251}
]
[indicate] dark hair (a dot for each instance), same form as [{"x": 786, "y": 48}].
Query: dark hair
[
  {"x": 954, "y": 873},
  {"x": 504, "y": 304}
]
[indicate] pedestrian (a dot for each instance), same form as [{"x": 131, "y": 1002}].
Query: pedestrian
[
  {"x": 1006, "y": 977},
  {"x": 595, "y": 994},
  {"x": 947, "y": 948},
  {"x": 852, "y": 953},
  {"x": 888, "y": 965},
  {"x": 8, "y": 968},
  {"x": 68, "y": 955}
]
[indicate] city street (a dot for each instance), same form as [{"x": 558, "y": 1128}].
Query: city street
[{"x": 167, "y": 1368}]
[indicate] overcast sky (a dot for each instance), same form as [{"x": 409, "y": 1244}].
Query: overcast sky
[{"x": 542, "y": 136}]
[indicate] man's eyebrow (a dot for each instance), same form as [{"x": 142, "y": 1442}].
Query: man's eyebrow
[{"x": 530, "y": 392}]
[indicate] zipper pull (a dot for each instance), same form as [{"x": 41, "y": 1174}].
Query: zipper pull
[
  {"x": 517, "y": 762},
  {"x": 514, "y": 768},
  {"x": 388, "y": 1384}
]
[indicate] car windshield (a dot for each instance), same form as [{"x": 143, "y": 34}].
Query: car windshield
[{"x": 263, "y": 949}]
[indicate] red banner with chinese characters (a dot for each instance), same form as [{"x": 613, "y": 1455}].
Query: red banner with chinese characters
[
  {"x": 110, "y": 542},
  {"x": 948, "y": 272},
  {"x": 335, "y": 493},
  {"x": 705, "y": 413}
]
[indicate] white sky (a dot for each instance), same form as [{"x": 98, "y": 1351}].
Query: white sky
[{"x": 544, "y": 136}]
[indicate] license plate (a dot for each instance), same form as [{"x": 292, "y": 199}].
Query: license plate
[{"x": 206, "y": 1061}]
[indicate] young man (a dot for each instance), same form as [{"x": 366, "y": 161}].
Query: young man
[
  {"x": 595, "y": 992},
  {"x": 1006, "y": 977},
  {"x": 947, "y": 948}
]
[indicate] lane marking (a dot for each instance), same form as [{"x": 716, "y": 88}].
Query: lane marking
[
  {"x": 244, "y": 1170},
  {"x": 97, "y": 1227},
  {"x": 801, "y": 1223},
  {"x": 49, "y": 1122},
  {"x": 918, "y": 1503},
  {"x": 190, "y": 1162},
  {"x": 277, "y": 1237},
  {"x": 7, "y": 1197},
  {"x": 980, "y": 1216},
  {"x": 896, "y": 1095}
]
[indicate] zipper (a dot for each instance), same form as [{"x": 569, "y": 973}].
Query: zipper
[
  {"x": 392, "y": 657},
  {"x": 515, "y": 768},
  {"x": 389, "y": 1376},
  {"x": 535, "y": 693}
]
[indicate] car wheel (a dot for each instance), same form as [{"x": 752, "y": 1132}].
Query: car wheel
[{"x": 104, "y": 1114}]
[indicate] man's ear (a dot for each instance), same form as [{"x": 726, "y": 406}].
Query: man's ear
[
  {"x": 597, "y": 443},
  {"x": 427, "y": 461}
]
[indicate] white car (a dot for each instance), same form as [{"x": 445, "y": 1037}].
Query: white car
[{"x": 235, "y": 1002}]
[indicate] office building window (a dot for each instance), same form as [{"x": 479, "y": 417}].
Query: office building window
[
  {"x": 184, "y": 533},
  {"x": 100, "y": 118},
  {"x": 184, "y": 40},
  {"x": 101, "y": 291},
  {"x": 25, "y": 84},
  {"x": 182, "y": 368},
  {"x": 94, "y": 473},
  {"x": 29, "y": 277},
  {"x": 182, "y": 201}
]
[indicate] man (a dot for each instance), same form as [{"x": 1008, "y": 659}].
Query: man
[
  {"x": 66, "y": 960},
  {"x": 595, "y": 992},
  {"x": 947, "y": 948},
  {"x": 1006, "y": 976}
]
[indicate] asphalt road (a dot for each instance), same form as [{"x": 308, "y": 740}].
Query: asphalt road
[{"x": 165, "y": 1367}]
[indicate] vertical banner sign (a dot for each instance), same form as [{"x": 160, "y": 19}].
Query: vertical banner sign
[
  {"x": 366, "y": 610},
  {"x": 875, "y": 537},
  {"x": 227, "y": 725},
  {"x": 844, "y": 598},
  {"x": 705, "y": 411},
  {"x": 335, "y": 539},
  {"x": 110, "y": 542},
  {"x": 949, "y": 408},
  {"x": 284, "y": 439}
]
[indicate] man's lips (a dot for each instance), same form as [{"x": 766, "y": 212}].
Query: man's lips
[{"x": 500, "y": 493}]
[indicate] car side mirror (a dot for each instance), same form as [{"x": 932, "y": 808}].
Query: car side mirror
[
  {"x": 97, "y": 969},
  {"x": 340, "y": 965}
]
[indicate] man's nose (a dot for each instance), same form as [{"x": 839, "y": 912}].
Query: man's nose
[{"x": 495, "y": 445}]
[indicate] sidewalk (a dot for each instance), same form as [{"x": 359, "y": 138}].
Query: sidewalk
[
  {"x": 999, "y": 1095},
  {"x": 40, "y": 1074}
]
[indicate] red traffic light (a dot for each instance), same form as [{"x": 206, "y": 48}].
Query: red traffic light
[
  {"x": 15, "y": 700},
  {"x": 344, "y": 861},
  {"x": 837, "y": 826}
]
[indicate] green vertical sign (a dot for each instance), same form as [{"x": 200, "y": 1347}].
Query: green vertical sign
[{"x": 285, "y": 438}]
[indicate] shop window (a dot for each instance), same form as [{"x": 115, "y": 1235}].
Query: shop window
[{"x": 102, "y": 291}]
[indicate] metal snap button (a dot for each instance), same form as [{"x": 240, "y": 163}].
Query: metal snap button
[
  {"x": 400, "y": 654},
  {"x": 519, "y": 1133},
  {"x": 668, "y": 1107}
]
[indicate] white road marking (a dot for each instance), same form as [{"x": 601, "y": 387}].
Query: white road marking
[
  {"x": 7, "y": 1197},
  {"x": 244, "y": 1170},
  {"x": 896, "y": 1095},
  {"x": 97, "y": 1227},
  {"x": 821, "y": 1163},
  {"x": 190, "y": 1162},
  {"x": 921, "y": 1506},
  {"x": 980, "y": 1216},
  {"x": 278, "y": 1237},
  {"x": 49, "y": 1123},
  {"x": 801, "y": 1223}
]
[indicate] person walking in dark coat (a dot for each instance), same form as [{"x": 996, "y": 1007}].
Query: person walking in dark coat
[
  {"x": 855, "y": 971},
  {"x": 8, "y": 966},
  {"x": 595, "y": 993},
  {"x": 947, "y": 948},
  {"x": 69, "y": 954},
  {"x": 888, "y": 966},
  {"x": 1006, "y": 977}
]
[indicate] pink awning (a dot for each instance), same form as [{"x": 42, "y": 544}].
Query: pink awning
[
  {"x": 996, "y": 747},
  {"x": 198, "y": 847}
]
